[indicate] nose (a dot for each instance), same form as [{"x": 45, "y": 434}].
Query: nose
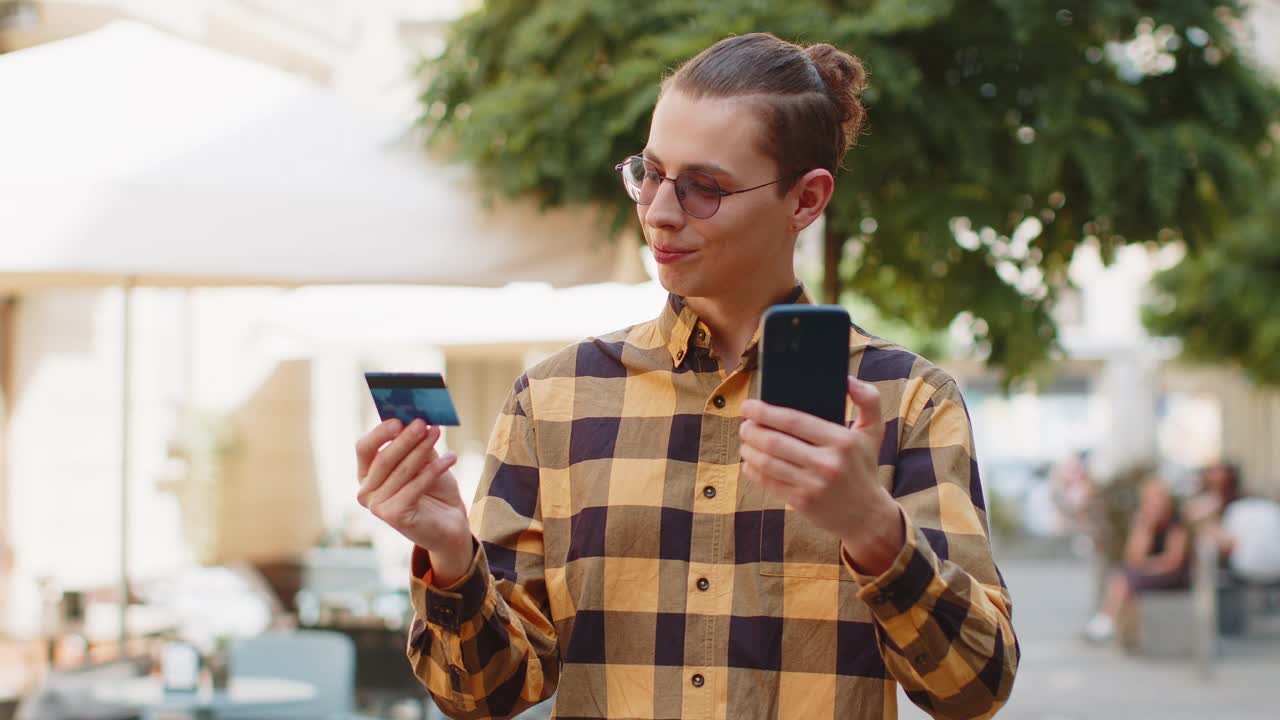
[{"x": 665, "y": 213}]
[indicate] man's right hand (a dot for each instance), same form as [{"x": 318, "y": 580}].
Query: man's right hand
[{"x": 405, "y": 483}]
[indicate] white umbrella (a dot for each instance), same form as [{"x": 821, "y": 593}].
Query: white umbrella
[
  {"x": 520, "y": 313},
  {"x": 131, "y": 153},
  {"x": 132, "y": 157}
]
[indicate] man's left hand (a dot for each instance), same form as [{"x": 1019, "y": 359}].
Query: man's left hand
[{"x": 827, "y": 472}]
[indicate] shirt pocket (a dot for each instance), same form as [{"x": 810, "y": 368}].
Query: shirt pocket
[{"x": 791, "y": 546}]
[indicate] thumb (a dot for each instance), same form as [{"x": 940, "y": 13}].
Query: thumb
[{"x": 866, "y": 397}]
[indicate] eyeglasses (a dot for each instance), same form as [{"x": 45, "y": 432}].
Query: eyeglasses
[{"x": 697, "y": 192}]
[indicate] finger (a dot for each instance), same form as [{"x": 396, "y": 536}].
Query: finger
[
  {"x": 408, "y": 468},
  {"x": 866, "y": 397},
  {"x": 773, "y": 442},
  {"x": 395, "y": 451},
  {"x": 409, "y": 495},
  {"x": 749, "y": 473},
  {"x": 773, "y": 487},
  {"x": 809, "y": 428},
  {"x": 778, "y": 470},
  {"x": 367, "y": 446}
]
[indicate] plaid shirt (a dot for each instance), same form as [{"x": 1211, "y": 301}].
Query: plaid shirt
[{"x": 621, "y": 559}]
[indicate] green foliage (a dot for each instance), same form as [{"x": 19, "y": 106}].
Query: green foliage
[
  {"x": 1002, "y": 516},
  {"x": 1223, "y": 300},
  {"x": 1002, "y": 132}
]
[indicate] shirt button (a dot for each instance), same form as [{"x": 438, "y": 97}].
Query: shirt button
[
  {"x": 708, "y": 492},
  {"x": 718, "y": 401},
  {"x": 921, "y": 661},
  {"x": 455, "y": 678},
  {"x": 703, "y": 584},
  {"x": 702, "y": 334},
  {"x": 698, "y": 680},
  {"x": 679, "y": 354}
]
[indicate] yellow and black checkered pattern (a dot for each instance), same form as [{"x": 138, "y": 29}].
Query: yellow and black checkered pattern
[{"x": 622, "y": 563}]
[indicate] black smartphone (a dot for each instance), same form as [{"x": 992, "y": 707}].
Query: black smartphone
[
  {"x": 804, "y": 359},
  {"x": 411, "y": 396}
]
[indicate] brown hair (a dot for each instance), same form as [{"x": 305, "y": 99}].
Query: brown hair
[{"x": 809, "y": 98}]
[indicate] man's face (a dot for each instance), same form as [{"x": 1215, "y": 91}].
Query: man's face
[{"x": 749, "y": 236}]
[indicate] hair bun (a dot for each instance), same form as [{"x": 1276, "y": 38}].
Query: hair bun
[{"x": 846, "y": 79}]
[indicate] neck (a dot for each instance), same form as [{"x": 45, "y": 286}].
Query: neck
[{"x": 734, "y": 317}]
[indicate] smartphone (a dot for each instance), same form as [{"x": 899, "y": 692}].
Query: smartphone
[
  {"x": 804, "y": 359},
  {"x": 412, "y": 396}
]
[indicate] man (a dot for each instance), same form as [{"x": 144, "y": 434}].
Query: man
[{"x": 654, "y": 543}]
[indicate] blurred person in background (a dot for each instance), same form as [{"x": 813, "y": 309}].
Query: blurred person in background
[
  {"x": 651, "y": 541},
  {"x": 1246, "y": 530},
  {"x": 1219, "y": 487},
  {"x": 1157, "y": 556},
  {"x": 1082, "y": 514},
  {"x": 1074, "y": 492},
  {"x": 1250, "y": 536}
]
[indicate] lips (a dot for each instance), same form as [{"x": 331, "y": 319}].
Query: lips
[{"x": 666, "y": 255}]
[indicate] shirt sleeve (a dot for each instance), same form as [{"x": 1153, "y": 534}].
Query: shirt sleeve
[
  {"x": 484, "y": 647},
  {"x": 942, "y": 612}
]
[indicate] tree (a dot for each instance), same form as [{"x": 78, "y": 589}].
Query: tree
[
  {"x": 1002, "y": 133},
  {"x": 1224, "y": 300}
]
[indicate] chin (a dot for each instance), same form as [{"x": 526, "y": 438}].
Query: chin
[
  {"x": 678, "y": 283},
  {"x": 692, "y": 285}
]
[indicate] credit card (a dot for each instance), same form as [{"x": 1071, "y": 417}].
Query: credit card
[{"x": 412, "y": 396}]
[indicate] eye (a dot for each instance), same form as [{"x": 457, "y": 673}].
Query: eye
[{"x": 704, "y": 188}]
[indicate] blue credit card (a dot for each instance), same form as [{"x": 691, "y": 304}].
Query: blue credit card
[{"x": 412, "y": 396}]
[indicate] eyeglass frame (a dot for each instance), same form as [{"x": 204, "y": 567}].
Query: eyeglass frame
[{"x": 719, "y": 190}]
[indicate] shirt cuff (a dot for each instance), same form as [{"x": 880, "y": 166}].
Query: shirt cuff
[
  {"x": 449, "y": 607},
  {"x": 900, "y": 588}
]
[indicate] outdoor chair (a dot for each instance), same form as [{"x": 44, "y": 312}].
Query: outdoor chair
[{"x": 323, "y": 659}]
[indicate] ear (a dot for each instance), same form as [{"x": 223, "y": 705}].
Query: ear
[{"x": 810, "y": 196}]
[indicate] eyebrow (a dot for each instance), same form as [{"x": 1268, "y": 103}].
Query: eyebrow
[{"x": 709, "y": 168}]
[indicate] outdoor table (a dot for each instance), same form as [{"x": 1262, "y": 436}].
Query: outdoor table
[{"x": 263, "y": 693}]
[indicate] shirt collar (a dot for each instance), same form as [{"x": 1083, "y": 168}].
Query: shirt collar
[{"x": 678, "y": 324}]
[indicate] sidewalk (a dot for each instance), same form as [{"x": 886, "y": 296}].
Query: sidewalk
[{"x": 1063, "y": 678}]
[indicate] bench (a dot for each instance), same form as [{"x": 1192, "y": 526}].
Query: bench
[
  {"x": 1161, "y": 624},
  {"x": 1177, "y": 624},
  {"x": 1189, "y": 624}
]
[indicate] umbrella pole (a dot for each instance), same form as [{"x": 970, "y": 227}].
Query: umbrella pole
[{"x": 126, "y": 358}]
